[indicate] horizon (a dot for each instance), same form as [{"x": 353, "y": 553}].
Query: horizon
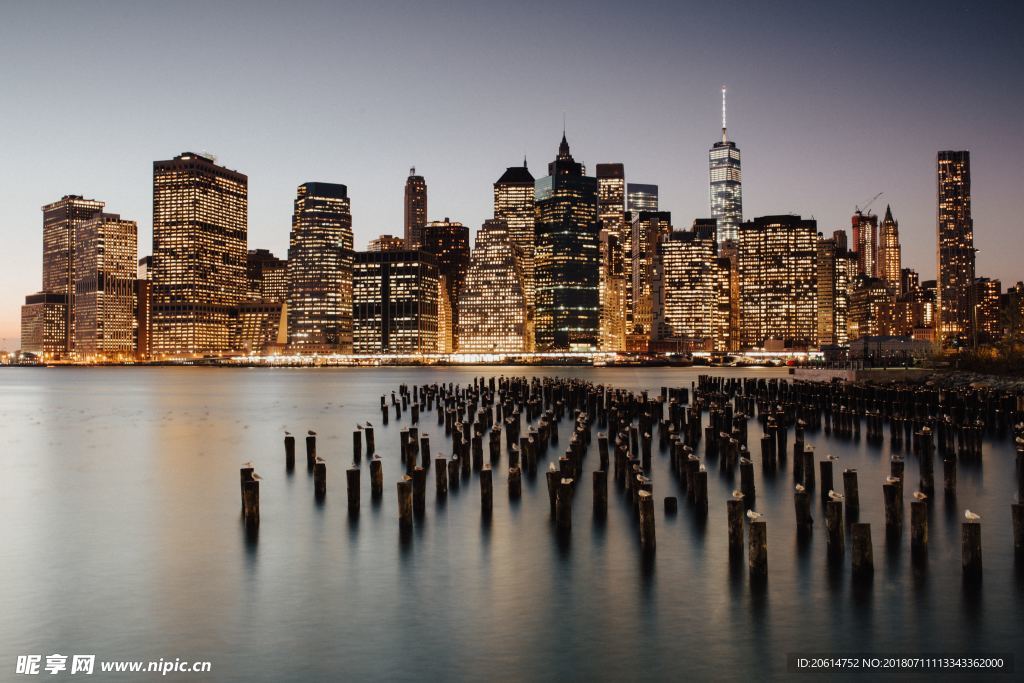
[{"x": 463, "y": 128}]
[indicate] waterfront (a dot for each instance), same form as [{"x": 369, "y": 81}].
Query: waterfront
[{"x": 122, "y": 527}]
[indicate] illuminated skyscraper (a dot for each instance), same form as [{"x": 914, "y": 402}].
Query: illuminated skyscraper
[
  {"x": 492, "y": 305},
  {"x": 640, "y": 197},
  {"x": 647, "y": 228},
  {"x": 200, "y": 224},
  {"x": 567, "y": 256},
  {"x": 726, "y": 184},
  {"x": 415, "y": 209},
  {"x": 611, "y": 197},
  {"x": 729, "y": 257},
  {"x": 448, "y": 241},
  {"x": 836, "y": 269},
  {"x": 394, "y": 302},
  {"x": 44, "y": 322},
  {"x": 106, "y": 266},
  {"x": 60, "y": 237},
  {"x": 320, "y": 260},
  {"x": 889, "y": 257},
  {"x": 955, "y": 253},
  {"x": 778, "y": 283},
  {"x": 865, "y": 242},
  {"x": 871, "y": 308},
  {"x": 514, "y": 204},
  {"x": 386, "y": 243},
  {"x": 987, "y": 294},
  {"x": 267, "y": 276},
  {"x": 685, "y": 286}
]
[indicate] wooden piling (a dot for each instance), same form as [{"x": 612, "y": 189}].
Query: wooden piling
[
  {"x": 371, "y": 447},
  {"x": 310, "y": 451},
  {"x": 352, "y": 480},
  {"x": 918, "y": 527},
  {"x": 863, "y": 553},
  {"x": 600, "y": 492},
  {"x": 515, "y": 483},
  {"x": 802, "y": 505},
  {"x": 486, "y": 491},
  {"x": 734, "y": 520},
  {"x": 747, "y": 478},
  {"x": 552, "y": 480},
  {"x": 851, "y": 493},
  {"x": 453, "y": 473},
  {"x": 289, "y": 452},
  {"x": 970, "y": 546},
  {"x": 440, "y": 476},
  {"x": 671, "y": 505},
  {"x": 700, "y": 497},
  {"x": 376, "y": 477},
  {"x": 757, "y": 560},
  {"x": 834, "y": 528},
  {"x": 647, "y": 540},
  {"x": 357, "y": 445},
  {"x": 893, "y": 518},
  {"x": 405, "y": 502},
  {"x": 1017, "y": 510},
  {"x": 320, "y": 478},
  {"x": 563, "y": 505},
  {"x": 419, "y": 491}
]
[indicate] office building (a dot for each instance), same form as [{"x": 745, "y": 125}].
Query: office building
[
  {"x": 106, "y": 268},
  {"x": 865, "y": 242},
  {"x": 641, "y": 197},
  {"x": 448, "y": 241},
  {"x": 395, "y": 302},
  {"x": 685, "y": 287},
  {"x": 889, "y": 251},
  {"x": 267, "y": 275},
  {"x": 836, "y": 269},
  {"x": 415, "y": 209},
  {"x": 955, "y": 251},
  {"x": 44, "y": 325},
  {"x": 726, "y": 184},
  {"x": 514, "y": 197},
  {"x": 492, "y": 304},
  {"x": 386, "y": 243}
]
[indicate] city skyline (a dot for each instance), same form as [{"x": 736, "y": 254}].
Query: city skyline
[{"x": 788, "y": 108}]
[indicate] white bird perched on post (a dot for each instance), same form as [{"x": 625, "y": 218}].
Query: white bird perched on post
[
  {"x": 246, "y": 465},
  {"x": 737, "y": 494},
  {"x": 702, "y": 468},
  {"x": 799, "y": 488},
  {"x": 971, "y": 516},
  {"x": 754, "y": 516},
  {"x": 256, "y": 477},
  {"x": 892, "y": 480},
  {"x": 833, "y": 458},
  {"x": 835, "y": 496},
  {"x": 919, "y": 496}
]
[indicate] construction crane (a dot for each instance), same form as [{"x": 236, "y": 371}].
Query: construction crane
[{"x": 868, "y": 205}]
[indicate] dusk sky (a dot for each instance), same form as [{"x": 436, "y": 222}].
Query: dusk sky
[{"x": 828, "y": 105}]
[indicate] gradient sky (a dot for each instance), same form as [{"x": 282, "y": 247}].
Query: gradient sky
[{"x": 830, "y": 105}]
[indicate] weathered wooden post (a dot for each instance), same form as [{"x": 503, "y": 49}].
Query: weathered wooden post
[
  {"x": 1017, "y": 510},
  {"x": 970, "y": 546},
  {"x": 647, "y": 540},
  {"x": 370, "y": 445},
  {"x": 440, "y": 476},
  {"x": 405, "y": 502},
  {"x": 352, "y": 479},
  {"x": 919, "y": 525},
  {"x": 747, "y": 477},
  {"x": 486, "y": 491},
  {"x": 553, "y": 478},
  {"x": 453, "y": 473},
  {"x": 851, "y": 493},
  {"x": 671, "y": 505},
  {"x": 758, "y": 551},
  {"x": 949, "y": 474},
  {"x": 700, "y": 498},
  {"x": 419, "y": 491},
  {"x": 376, "y": 477},
  {"x": 425, "y": 451},
  {"x": 802, "y": 503},
  {"x": 250, "y": 497},
  {"x": 734, "y": 519},
  {"x": 893, "y": 518},
  {"x": 357, "y": 444},
  {"x": 863, "y": 553},
  {"x": 834, "y": 526},
  {"x": 310, "y": 451},
  {"x": 827, "y": 482},
  {"x": 320, "y": 478},
  {"x": 515, "y": 483},
  {"x": 602, "y": 450},
  {"x": 808, "y": 459},
  {"x": 289, "y": 452},
  {"x": 563, "y": 505},
  {"x": 600, "y": 492}
]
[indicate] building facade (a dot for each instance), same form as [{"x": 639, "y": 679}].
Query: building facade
[
  {"x": 200, "y": 226},
  {"x": 320, "y": 258},
  {"x": 106, "y": 266},
  {"x": 685, "y": 287},
  {"x": 836, "y": 269},
  {"x": 514, "y": 198},
  {"x": 492, "y": 304},
  {"x": 386, "y": 243},
  {"x": 44, "y": 325},
  {"x": 865, "y": 242},
  {"x": 778, "y": 281},
  {"x": 268, "y": 276},
  {"x": 615, "y": 238},
  {"x": 415, "y": 209},
  {"x": 871, "y": 308},
  {"x": 567, "y": 257},
  {"x": 395, "y": 302},
  {"x": 955, "y": 252},
  {"x": 647, "y": 228},
  {"x": 890, "y": 259},
  {"x": 448, "y": 241},
  {"x": 641, "y": 197},
  {"x": 726, "y": 184}
]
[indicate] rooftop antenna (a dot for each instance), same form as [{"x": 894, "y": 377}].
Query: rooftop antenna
[{"x": 724, "y": 138}]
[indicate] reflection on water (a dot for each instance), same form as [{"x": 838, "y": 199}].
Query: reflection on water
[{"x": 122, "y": 529}]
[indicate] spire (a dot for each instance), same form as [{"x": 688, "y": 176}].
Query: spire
[
  {"x": 563, "y": 148},
  {"x": 412, "y": 170},
  {"x": 524, "y": 162},
  {"x": 724, "y": 136},
  {"x": 888, "y": 214}
]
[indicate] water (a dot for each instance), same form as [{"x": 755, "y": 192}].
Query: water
[{"x": 121, "y": 537}]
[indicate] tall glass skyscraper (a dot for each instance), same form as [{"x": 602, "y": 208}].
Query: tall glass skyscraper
[
  {"x": 319, "y": 274},
  {"x": 726, "y": 184},
  {"x": 955, "y": 285},
  {"x": 415, "y": 209},
  {"x": 641, "y": 197},
  {"x": 567, "y": 256}
]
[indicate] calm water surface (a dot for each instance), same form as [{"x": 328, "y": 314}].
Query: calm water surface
[{"x": 121, "y": 537}]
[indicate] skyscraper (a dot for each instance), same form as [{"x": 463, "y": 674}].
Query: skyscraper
[
  {"x": 386, "y": 243},
  {"x": 889, "y": 257},
  {"x": 448, "y": 241},
  {"x": 871, "y": 308},
  {"x": 106, "y": 266},
  {"x": 415, "y": 208},
  {"x": 685, "y": 288},
  {"x": 836, "y": 269},
  {"x": 492, "y": 304},
  {"x": 44, "y": 322},
  {"x": 955, "y": 253},
  {"x": 726, "y": 182},
  {"x": 778, "y": 284},
  {"x": 641, "y": 197},
  {"x": 394, "y": 302},
  {"x": 865, "y": 242},
  {"x": 611, "y": 197},
  {"x": 567, "y": 256},
  {"x": 60, "y": 237},
  {"x": 320, "y": 260},
  {"x": 647, "y": 228},
  {"x": 267, "y": 276},
  {"x": 514, "y": 204},
  {"x": 200, "y": 226}
]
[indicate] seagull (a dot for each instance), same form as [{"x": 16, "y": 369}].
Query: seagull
[
  {"x": 971, "y": 516},
  {"x": 311, "y": 432},
  {"x": 835, "y": 497},
  {"x": 919, "y": 496},
  {"x": 368, "y": 424},
  {"x": 892, "y": 480},
  {"x": 833, "y": 458},
  {"x": 256, "y": 477},
  {"x": 551, "y": 467},
  {"x": 754, "y": 516},
  {"x": 800, "y": 488},
  {"x": 287, "y": 433},
  {"x": 246, "y": 465},
  {"x": 702, "y": 468},
  {"x": 738, "y": 495}
]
